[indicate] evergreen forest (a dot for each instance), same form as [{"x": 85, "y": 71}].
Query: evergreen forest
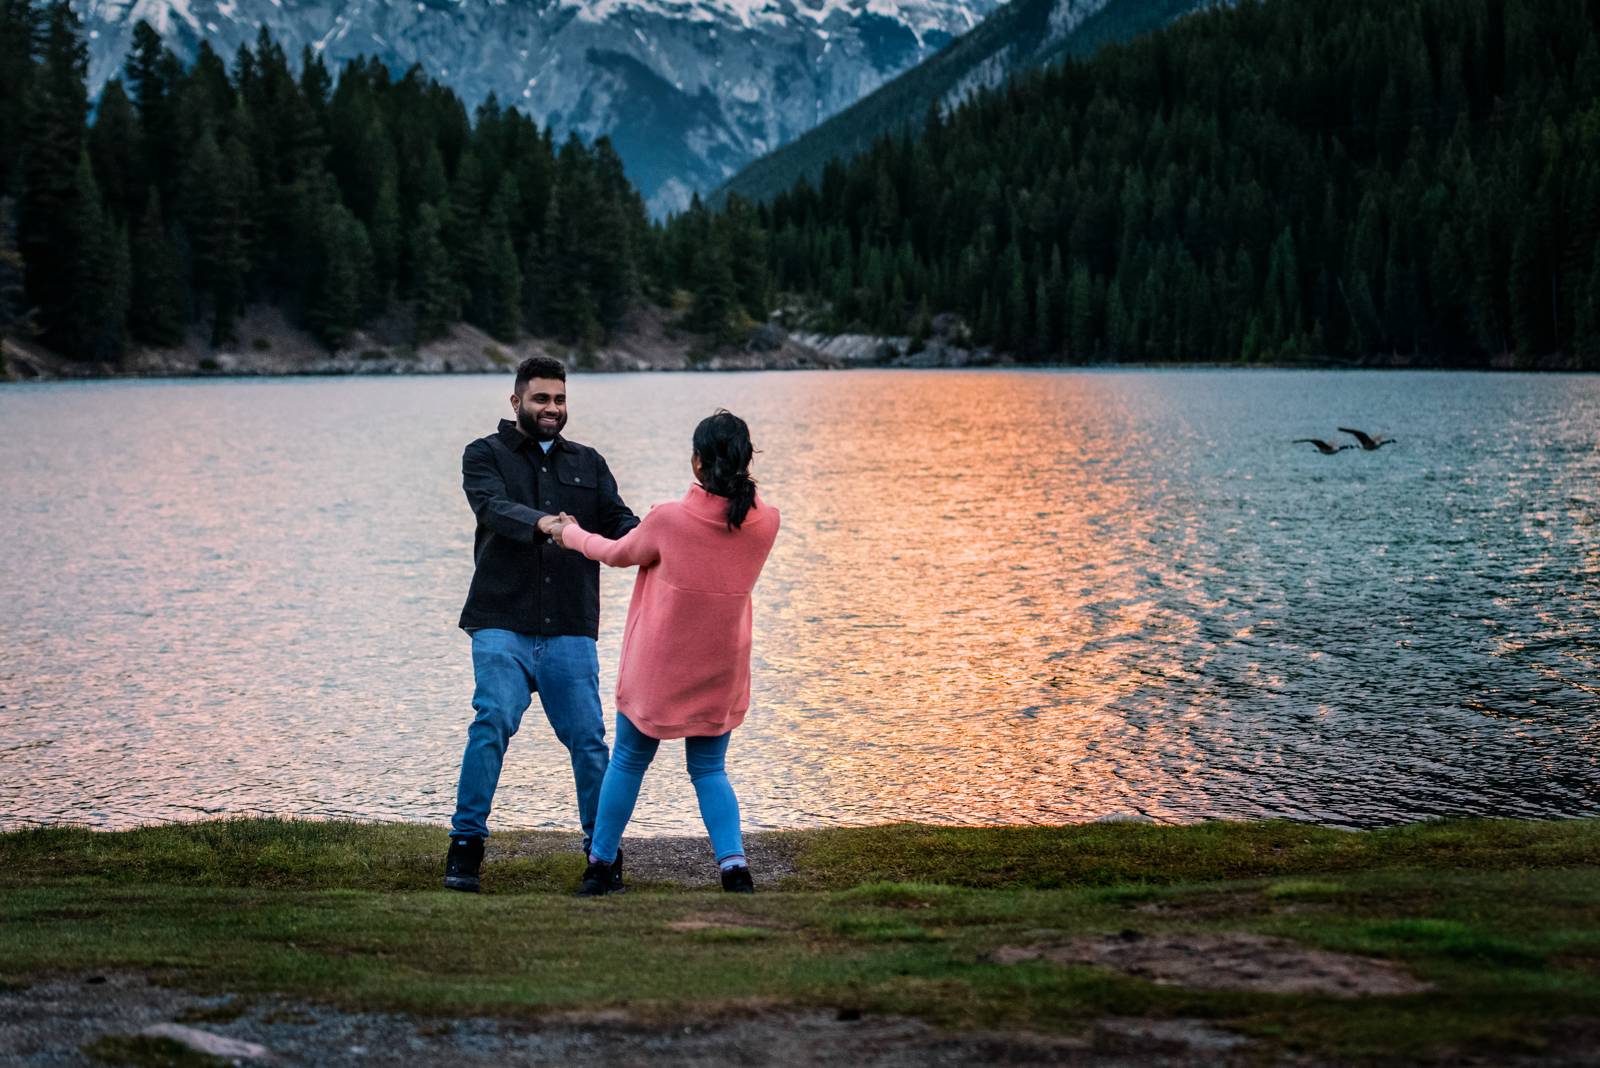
[{"x": 1395, "y": 181}]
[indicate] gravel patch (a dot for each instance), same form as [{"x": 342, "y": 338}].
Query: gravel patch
[
  {"x": 683, "y": 860},
  {"x": 48, "y": 1024}
]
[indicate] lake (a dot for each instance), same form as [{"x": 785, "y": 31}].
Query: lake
[{"x": 998, "y": 597}]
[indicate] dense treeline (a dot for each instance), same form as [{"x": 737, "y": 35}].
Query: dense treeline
[
  {"x": 1347, "y": 178},
  {"x": 198, "y": 191},
  {"x": 1411, "y": 179},
  {"x": 1017, "y": 37}
]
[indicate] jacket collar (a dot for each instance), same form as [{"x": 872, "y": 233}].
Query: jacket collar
[
  {"x": 703, "y": 502},
  {"x": 513, "y": 438}
]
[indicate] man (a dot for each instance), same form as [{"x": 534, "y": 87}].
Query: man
[{"x": 534, "y": 608}]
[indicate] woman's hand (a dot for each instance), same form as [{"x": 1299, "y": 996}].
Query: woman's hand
[{"x": 563, "y": 521}]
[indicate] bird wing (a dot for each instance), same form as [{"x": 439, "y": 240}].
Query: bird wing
[{"x": 1366, "y": 442}]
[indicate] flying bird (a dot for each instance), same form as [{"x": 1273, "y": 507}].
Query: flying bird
[
  {"x": 1322, "y": 446},
  {"x": 1368, "y": 443}
]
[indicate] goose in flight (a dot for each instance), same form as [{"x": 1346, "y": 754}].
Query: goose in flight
[
  {"x": 1322, "y": 446},
  {"x": 1368, "y": 443}
]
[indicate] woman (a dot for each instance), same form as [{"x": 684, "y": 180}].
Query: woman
[{"x": 685, "y": 669}]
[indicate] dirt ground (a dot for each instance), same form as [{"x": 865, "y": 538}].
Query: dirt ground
[
  {"x": 1228, "y": 960},
  {"x": 685, "y": 860},
  {"x": 49, "y": 1024}
]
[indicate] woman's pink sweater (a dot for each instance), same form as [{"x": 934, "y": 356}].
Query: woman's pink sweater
[{"x": 686, "y": 646}]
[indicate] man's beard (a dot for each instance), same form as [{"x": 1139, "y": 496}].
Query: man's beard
[{"x": 529, "y": 422}]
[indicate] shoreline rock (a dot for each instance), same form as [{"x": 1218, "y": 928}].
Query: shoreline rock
[{"x": 267, "y": 345}]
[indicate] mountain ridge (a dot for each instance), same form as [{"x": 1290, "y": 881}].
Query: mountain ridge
[
  {"x": 725, "y": 80},
  {"x": 1023, "y": 35}
]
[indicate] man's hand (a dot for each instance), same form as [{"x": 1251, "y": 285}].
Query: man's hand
[
  {"x": 553, "y": 525},
  {"x": 563, "y": 521}
]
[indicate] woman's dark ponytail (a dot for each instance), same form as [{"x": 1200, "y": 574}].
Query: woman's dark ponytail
[{"x": 722, "y": 441}]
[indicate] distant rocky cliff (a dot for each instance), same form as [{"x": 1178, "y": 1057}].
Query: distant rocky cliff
[{"x": 689, "y": 91}]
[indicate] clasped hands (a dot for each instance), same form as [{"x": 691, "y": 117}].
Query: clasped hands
[{"x": 553, "y": 525}]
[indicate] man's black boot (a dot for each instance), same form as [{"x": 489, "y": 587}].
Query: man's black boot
[
  {"x": 596, "y": 879},
  {"x": 736, "y": 880},
  {"x": 616, "y": 866},
  {"x": 461, "y": 864}
]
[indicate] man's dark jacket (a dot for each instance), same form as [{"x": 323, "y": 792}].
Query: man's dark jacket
[{"x": 522, "y": 581}]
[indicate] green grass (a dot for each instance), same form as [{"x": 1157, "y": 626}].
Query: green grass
[
  {"x": 1119, "y": 854},
  {"x": 1498, "y": 915}
]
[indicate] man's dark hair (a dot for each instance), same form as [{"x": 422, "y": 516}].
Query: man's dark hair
[{"x": 539, "y": 367}]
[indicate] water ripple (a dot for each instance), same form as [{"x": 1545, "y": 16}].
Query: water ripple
[{"x": 999, "y": 597}]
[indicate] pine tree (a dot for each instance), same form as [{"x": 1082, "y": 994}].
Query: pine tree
[
  {"x": 154, "y": 76},
  {"x": 464, "y": 237},
  {"x": 18, "y": 30},
  {"x": 48, "y": 207},
  {"x": 1080, "y": 314},
  {"x": 503, "y": 279},
  {"x": 98, "y": 298},
  {"x": 1046, "y": 325},
  {"x": 1054, "y": 315},
  {"x": 1587, "y": 343},
  {"x": 214, "y": 223},
  {"x": 1283, "y": 290},
  {"x": 613, "y": 238},
  {"x": 1013, "y": 325},
  {"x": 505, "y": 293},
  {"x": 433, "y": 290},
  {"x": 156, "y": 305},
  {"x": 15, "y": 317},
  {"x": 1116, "y": 322},
  {"x": 921, "y": 327},
  {"x": 113, "y": 338},
  {"x": 1524, "y": 289},
  {"x": 387, "y": 240},
  {"x": 716, "y": 294},
  {"x": 335, "y": 308},
  {"x": 116, "y": 153},
  {"x": 535, "y": 271}
]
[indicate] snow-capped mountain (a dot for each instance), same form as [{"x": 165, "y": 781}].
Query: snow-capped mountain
[
  {"x": 688, "y": 90},
  {"x": 1022, "y": 36}
]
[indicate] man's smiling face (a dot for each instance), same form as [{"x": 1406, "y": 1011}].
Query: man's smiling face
[{"x": 542, "y": 408}]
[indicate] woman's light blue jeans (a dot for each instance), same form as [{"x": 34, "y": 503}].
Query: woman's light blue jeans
[{"x": 631, "y": 753}]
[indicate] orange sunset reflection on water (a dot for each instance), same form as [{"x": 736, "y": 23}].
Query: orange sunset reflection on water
[{"x": 998, "y": 597}]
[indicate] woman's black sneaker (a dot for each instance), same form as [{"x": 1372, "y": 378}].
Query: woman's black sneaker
[
  {"x": 597, "y": 880},
  {"x": 462, "y": 863},
  {"x": 736, "y": 880}
]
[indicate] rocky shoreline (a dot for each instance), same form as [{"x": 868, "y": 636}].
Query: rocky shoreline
[{"x": 268, "y": 345}]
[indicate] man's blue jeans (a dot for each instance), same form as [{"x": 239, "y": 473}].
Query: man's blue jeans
[
  {"x": 719, "y": 807},
  {"x": 508, "y": 667}
]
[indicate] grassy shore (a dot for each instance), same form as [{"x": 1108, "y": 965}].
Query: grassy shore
[{"x": 964, "y": 928}]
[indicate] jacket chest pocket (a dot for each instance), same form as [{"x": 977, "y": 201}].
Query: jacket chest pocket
[{"x": 576, "y": 485}]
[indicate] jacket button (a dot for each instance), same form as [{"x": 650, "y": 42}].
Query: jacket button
[
  {"x": 547, "y": 619},
  {"x": 547, "y": 580}
]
